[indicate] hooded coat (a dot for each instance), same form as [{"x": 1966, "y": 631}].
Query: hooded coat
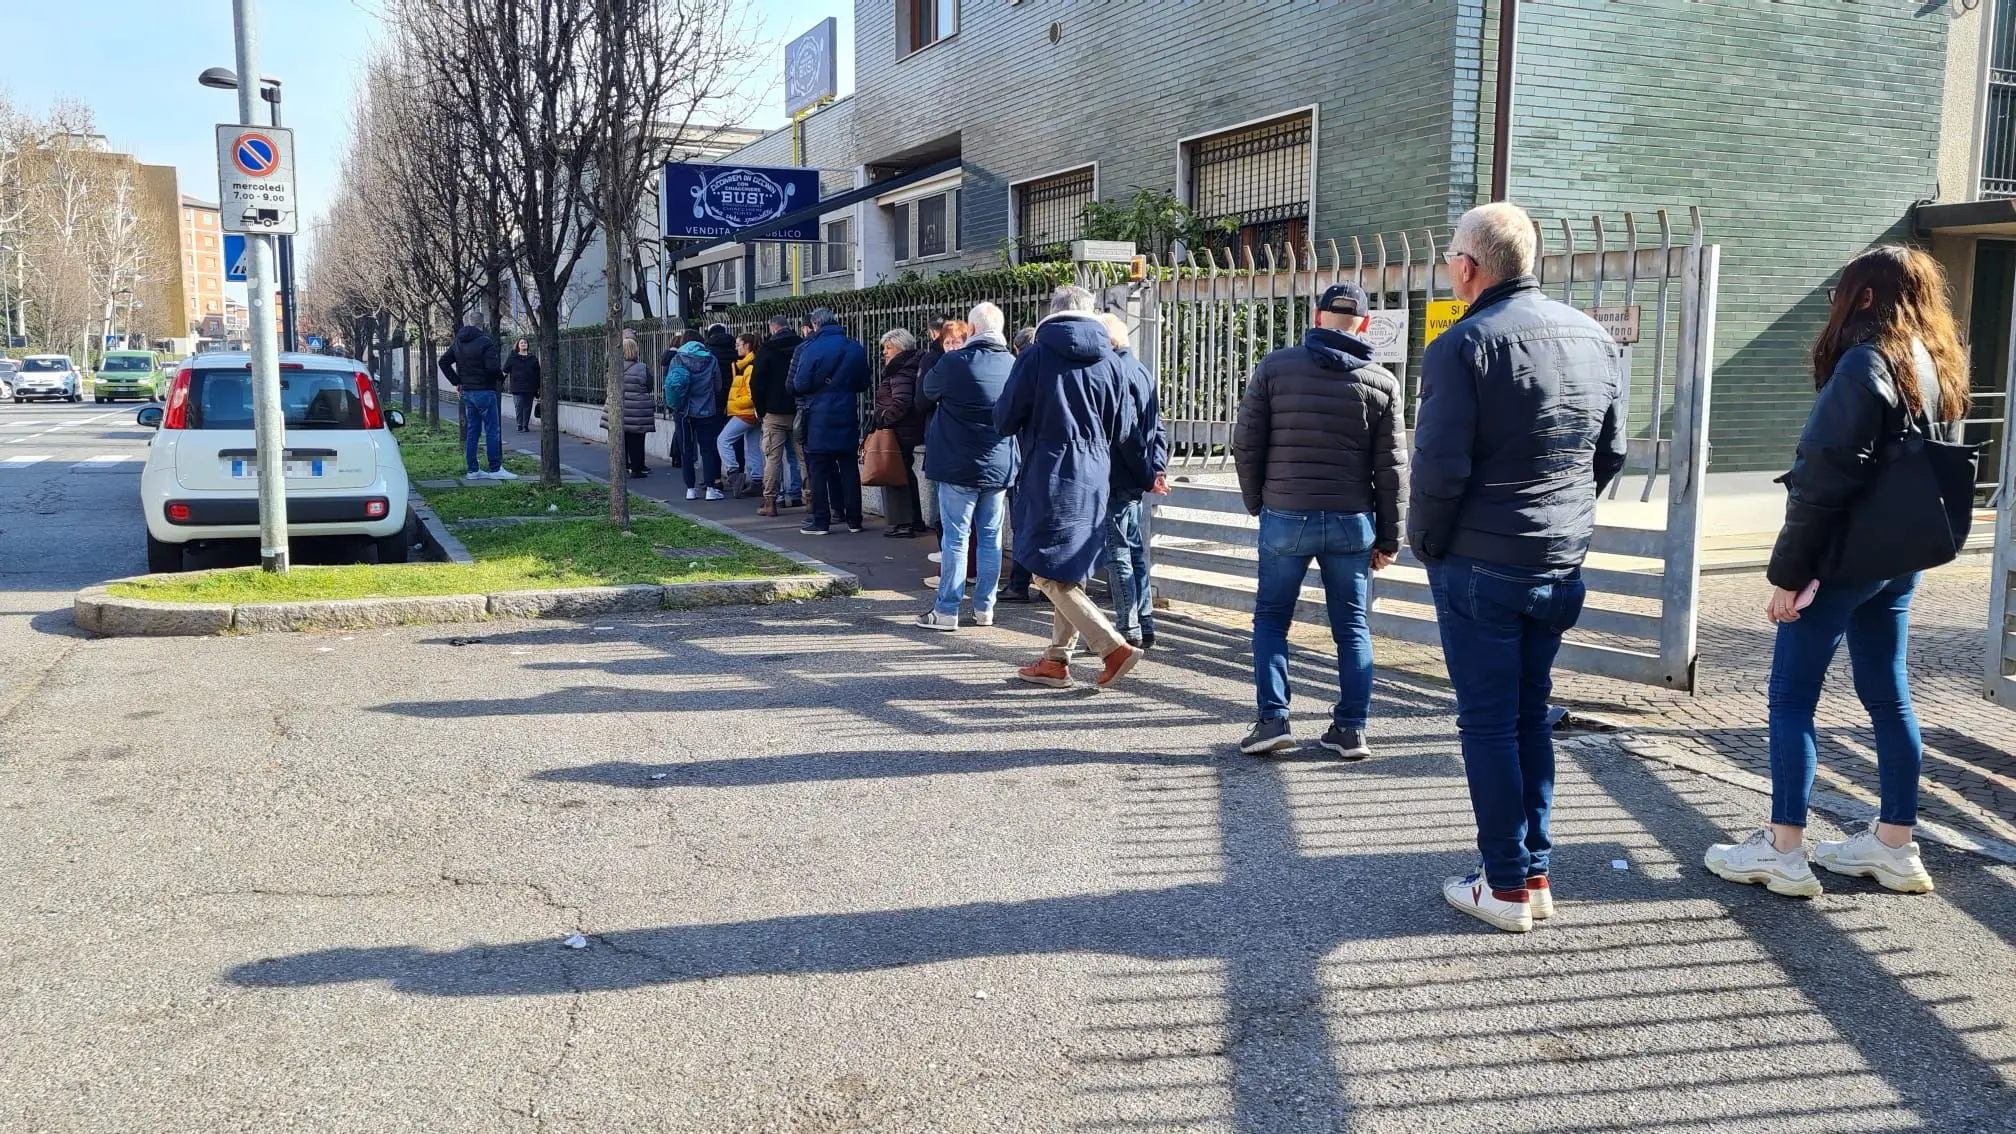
[
  {"x": 1066, "y": 405},
  {"x": 770, "y": 386},
  {"x": 705, "y": 392},
  {"x": 721, "y": 342}
]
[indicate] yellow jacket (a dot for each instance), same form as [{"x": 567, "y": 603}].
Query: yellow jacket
[{"x": 740, "y": 404}]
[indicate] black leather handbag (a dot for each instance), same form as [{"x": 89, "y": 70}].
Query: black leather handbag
[{"x": 1913, "y": 515}]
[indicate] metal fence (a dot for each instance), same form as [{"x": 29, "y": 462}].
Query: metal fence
[
  {"x": 1999, "y": 676},
  {"x": 1203, "y": 329}
]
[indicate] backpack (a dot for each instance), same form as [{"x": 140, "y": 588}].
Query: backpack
[{"x": 676, "y": 379}]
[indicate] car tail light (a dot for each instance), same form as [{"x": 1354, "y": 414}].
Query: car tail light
[
  {"x": 374, "y": 418},
  {"x": 375, "y": 509},
  {"x": 178, "y": 513},
  {"x": 176, "y": 416}
]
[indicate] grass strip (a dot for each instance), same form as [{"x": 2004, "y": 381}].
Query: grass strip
[
  {"x": 528, "y": 498},
  {"x": 537, "y": 556}
]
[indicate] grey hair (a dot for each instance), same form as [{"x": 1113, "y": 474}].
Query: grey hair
[
  {"x": 986, "y": 318},
  {"x": 1116, "y": 330},
  {"x": 1024, "y": 338},
  {"x": 821, "y": 316},
  {"x": 779, "y": 322},
  {"x": 1499, "y": 238},
  {"x": 717, "y": 328},
  {"x": 1071, "y": 297},
  {"x": 903, "y": 339}
]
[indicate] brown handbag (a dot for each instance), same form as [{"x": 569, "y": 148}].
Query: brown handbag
[{"x": 882, "y": 461}]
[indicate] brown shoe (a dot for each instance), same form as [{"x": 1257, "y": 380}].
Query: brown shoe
[
  {"x": 769, "y": 507},
  {"x": 1118, "y": 663},
  {"x": 1049, "y": 671}
]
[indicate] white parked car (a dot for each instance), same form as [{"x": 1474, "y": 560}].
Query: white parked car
[
  {"x": 9, "y": 370},
  {"x": 344, "y": 474},
  {"x": 51, "y": 376}
]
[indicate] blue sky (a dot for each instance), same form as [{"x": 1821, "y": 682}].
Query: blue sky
[{"x": 135, "y": 62}]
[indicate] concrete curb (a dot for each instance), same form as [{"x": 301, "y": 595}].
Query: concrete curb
[
  {"x": 1831, "y": 802},
  {"x": 441, "y": 543}
]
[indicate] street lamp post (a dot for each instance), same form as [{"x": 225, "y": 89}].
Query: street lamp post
[{"x": 225, "y": 79}]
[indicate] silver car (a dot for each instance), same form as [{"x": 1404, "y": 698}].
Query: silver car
[{"x": 8, "y": 369}]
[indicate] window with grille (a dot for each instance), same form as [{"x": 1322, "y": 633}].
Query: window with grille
[
  {"x": 926, "y": 227},
  {"x": 1998, "y": 146},
  {"x": 1050, "y": 214},
  {"x": 1258, "y": 178},
  {"x": 921, "y": 23}
]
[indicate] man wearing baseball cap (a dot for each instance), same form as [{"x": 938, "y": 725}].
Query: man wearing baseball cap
[{"x": 1322, "y": 460}]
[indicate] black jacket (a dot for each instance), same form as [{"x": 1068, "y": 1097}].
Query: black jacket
[
  {"x": 722, "y": 344},
  {"x": 1856, "y": 412},
  {"x": 521, "y": 373},
  {"x": 770, "y": 385},
  {"x": 470, "y": 361},
  {"x": 1520, "y": 427},
  {"x": 1321, "y": 430}
]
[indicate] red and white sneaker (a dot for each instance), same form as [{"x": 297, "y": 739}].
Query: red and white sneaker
[
  {"x": 1509, "y": 910},
  {"x": 1540, "y": 895},
  {"x": 1047, "y": 672}
]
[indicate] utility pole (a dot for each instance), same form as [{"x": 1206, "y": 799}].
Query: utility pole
[
  {"x": 269, "y": 422},
  {"x": 1501, "y": 128}
]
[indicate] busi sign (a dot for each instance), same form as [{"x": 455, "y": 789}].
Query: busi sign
[{"x": 718, "y": 200}]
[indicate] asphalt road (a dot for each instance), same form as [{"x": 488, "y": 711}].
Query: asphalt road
[{"x": 835, "y": 873}]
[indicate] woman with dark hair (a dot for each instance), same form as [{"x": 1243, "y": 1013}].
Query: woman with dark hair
[
  {"x": 1888, "y": 362},
  {"x": 521, "y": 377}
]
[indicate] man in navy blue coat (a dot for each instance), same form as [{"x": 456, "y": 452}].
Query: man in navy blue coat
[
  {"x": 828, "y": 371},
  {"x": 1067, "y": 404}
]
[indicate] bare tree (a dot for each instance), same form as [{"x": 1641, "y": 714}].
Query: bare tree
[{"x": 661, "y": 64}]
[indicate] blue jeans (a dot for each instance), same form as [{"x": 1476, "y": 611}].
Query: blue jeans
[
  {"x": 699, "y": 445},
  {"x": 1127, "y": 571},
  {"x": 480, "y": 416},
  {"x": 1501, "y": 629},
  {"x": 1875, "y": 618},
  {"x": 963, "y": 512},
  {"x": 1341, "y": 545}
]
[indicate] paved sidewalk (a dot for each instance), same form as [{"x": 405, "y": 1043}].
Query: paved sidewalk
[{"x": 1970, "y": 766}]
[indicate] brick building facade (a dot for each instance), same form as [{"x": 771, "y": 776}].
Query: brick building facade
[{"x": 1805, "y": 132}]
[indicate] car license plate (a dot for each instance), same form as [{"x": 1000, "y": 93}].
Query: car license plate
[{"x": 242, "y": 469}]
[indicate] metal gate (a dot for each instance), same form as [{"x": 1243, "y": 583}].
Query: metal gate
[
  {"x": 1203, "y": 330},
  {"x": 2000, "y": 675}
]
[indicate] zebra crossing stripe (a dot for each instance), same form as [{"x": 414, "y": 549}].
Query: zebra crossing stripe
[{"x": 18, "y": 462}]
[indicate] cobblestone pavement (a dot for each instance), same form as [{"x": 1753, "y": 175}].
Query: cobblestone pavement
[{"x": 1970, "y": 742}]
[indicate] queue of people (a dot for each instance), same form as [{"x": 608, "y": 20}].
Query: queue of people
[{"x": 1520, "y": 427}]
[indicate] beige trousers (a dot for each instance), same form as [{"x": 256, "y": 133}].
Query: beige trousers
[
  {"x": 1074, "y": 613},
  {"x": 776, "y": 436}
]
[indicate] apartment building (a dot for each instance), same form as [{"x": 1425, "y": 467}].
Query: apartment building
[
  {"x": 203, "y": 269},
  {"x": 1806, "y": 131}
]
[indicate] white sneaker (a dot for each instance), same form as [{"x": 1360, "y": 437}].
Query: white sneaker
[
  {"x": 1755, "y": 860},
  {"x": 1897, "y": 868},
  {"x": 692, "y": 494},
  {"x": 1473, "y": 895},
  {"x": 715, "y": 494},
  {"x": 932, "y": 620},
  {"x": 1540, "y": 895},
  {"x": 503, "y": 474},
  {"x": 983, "y": 619},
  {"x": 479, "y": 474}
]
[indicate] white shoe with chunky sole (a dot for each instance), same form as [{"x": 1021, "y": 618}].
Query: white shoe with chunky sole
[
  {"x": 1864, "y": 855},
  {"x": 1757, "y": 862}
]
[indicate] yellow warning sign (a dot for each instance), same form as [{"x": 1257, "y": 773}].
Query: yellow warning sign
[{"x": 1442, "y": 314}]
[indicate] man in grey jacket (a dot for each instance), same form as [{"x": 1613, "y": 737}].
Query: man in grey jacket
[{"x": 1321, "y": 461}]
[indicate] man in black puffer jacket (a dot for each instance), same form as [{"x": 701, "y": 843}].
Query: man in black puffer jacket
[
  {"x": 1320, "y": 459},
  {"x": 471, "y": 363},
  {"x": 777, "y": 408}
]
